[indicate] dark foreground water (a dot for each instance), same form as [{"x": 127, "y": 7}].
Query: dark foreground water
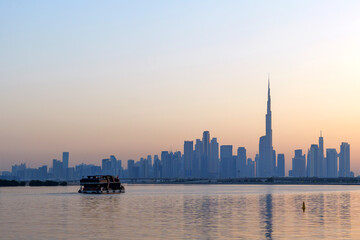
[{"x": 182, "y": 212}]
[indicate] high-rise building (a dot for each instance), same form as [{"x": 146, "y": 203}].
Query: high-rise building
[
  {"x": 65, "y": 160},
  {"x": 149, "y": 167},
  {"x": 241, "y": 170},
  {"x": 274, "y": 163},
  {"x": 344, "y": 160},
  {"x": 131, "y": 165},
  {"x": 65, "y": 165},
  {"x": 143, "y": 168},
  {"x": 322, "y": 162},
  {"x": 214, "y": 159},
  {"x": 106, "y": 166},
  {"x": 250, "y": 168},
  {"x": 298, "y": 164},
  {"x": 205, "y": 157},
  {"x": 57, "y": 169},
  {"x": 197, "y": 158},
  {"x": 257, "y": 165},
  {"x": 42, "y": 172},
  {"x": 331, "y": 163},
  {"x": 280, "y": 165},
  {"x": 113, "y": 165},
  {"x": 157, "y": 167},
  {"x": 188, "y": 156},
  {"x": 177, "y": 162},
  {"x": 226, "y": 158},
  {"x": 313, "y": 162},
  {"x": 166, "y": 164},
  {"x": 266, "y": 164}
]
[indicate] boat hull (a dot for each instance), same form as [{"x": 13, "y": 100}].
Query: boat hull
[{"x": 118, "y": 191}]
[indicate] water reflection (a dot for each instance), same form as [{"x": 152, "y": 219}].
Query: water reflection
[
  {"x": 182, "y": 212},
  {"x": 266, "y": 214},
  {"x": 345, "y": 216}
]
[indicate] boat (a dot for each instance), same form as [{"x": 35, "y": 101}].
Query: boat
[{"x": 101, "y": 184}]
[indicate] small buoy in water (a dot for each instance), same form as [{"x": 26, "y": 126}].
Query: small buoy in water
[{"x": 303, "y": 207}]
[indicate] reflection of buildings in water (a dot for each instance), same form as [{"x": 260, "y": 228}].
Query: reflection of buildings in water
[
  {"x": 200, "y": 217},
  {"x": 266, "y": 214},
  {"x": 329, "y": 212},
  {"x": 345, "y": 213}
]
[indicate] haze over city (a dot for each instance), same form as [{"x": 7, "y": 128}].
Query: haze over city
[{"x": 136, "y": 78}]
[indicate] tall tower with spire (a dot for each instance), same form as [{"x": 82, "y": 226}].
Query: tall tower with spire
[
  {"x": 268, "y": 115},
  {"x": 266, "y": 162}
]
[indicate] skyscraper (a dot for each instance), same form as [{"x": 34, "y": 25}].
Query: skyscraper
[
  {"x": 214, "y": 158},
  {"x": 65, "y": 160},
  {"x": 266, "y": 165},
  {"x": 157, "y": 167},
  {"x": 131, "y": 165},
  {"x": 205, "y": 157},
  {"x": 331, "y": 163},
  {"x": 344, "y": 160},
  {"x": 250, "y": 168},
  {"x": 166, "y": 164},
  {"x": 298, "y": 164},
  {"x": 149, "y": 167},
  {"x": 113, "y": 161},
  {"x": 57, "y": 169},
  {"x": 322, "y": 163},
  {"x": 226, "y": 158},
  {"x": 241, "y": 170},
  {"x": 197, "y": 158},
  {"x": 280, "y": 165},
  {"x": 65, "y": 165},
  {"x": 313, "y": 161},
  {"x": 188, "y": 156},
  {"x": 106, "y": 166}
]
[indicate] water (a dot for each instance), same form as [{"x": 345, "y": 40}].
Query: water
[{"x": 182, "y": 212}]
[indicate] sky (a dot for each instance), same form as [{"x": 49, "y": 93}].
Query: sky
[{"x": 132, "y": 78}]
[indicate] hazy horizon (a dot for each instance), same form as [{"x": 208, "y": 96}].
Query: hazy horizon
[{"x": 132, "y": 78}]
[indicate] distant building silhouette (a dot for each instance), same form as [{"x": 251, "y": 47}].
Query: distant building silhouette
[
  {"x": 241, "y": 170},
  {"x": 205, "y": 156},
  {"x": 331, "y": 163},
  {"x": 250, "y": 168},
  {"x": 313, "y": 161},
  {"x": 298, "y": 164},
  {"x": 57, "y": 169},
  {"x": 322, "y": 163},
  {"x": 280, "y": 165},
  {"x": 226, "y": 158},
  {"x": 188, "y": 158},
  {"x": 65, "y": 165},
  {"x": 266, "y": 160},
  {"x": 214, "y": 159},
  {"x": 197, "y": 158},
  {"x": 131, "y": 165},
  {"x": 344, "y": 160}
]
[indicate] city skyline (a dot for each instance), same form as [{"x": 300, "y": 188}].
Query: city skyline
[
  {"x": 265, "y": 158},
  {"x": 207, "y": 159},
  {"x": 102, "y": 81}
]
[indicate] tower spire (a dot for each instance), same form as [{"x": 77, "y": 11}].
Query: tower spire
[{"x": 269, "y": 97}]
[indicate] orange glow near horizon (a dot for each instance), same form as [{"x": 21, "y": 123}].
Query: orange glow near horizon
[{"x": 138, "y": 84}]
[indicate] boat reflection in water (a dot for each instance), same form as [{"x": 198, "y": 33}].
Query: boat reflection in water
[{"x": 101, "y": 184}]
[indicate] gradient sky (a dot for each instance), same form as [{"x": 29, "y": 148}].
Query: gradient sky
[{"x": 133, "y": 78}]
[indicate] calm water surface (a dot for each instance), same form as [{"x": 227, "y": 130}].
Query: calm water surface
[{"x": 182, "y": 212}]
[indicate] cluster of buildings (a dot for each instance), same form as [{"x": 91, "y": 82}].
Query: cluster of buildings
[
  {"x": 317, "y": 164},
  {"x": 205, "y": 158}
]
